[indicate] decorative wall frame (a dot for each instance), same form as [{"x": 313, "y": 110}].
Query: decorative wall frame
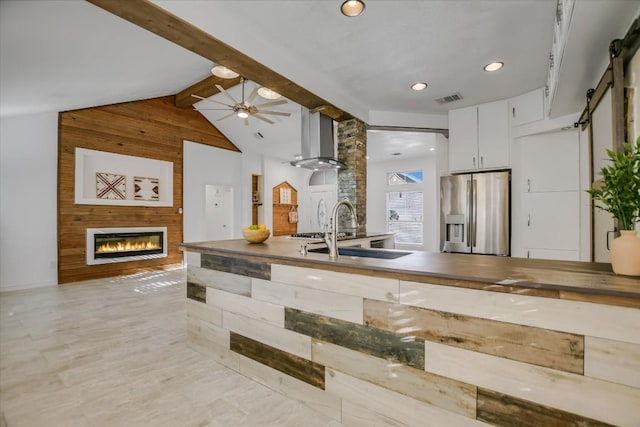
[
  {"x": 103, "y": 178},
  {"x": 146, "y": 188},
  {"x": 111, "y": 186}
]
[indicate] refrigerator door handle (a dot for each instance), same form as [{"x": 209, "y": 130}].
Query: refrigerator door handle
[
  {"x": 469, "y": 213},
  {"x": 474, "y": 203}
]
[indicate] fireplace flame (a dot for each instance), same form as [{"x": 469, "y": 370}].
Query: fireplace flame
[{"x": 126, "y": 247}]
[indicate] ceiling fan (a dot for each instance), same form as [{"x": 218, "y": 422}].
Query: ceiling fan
[{"x": 245, "y": 108}]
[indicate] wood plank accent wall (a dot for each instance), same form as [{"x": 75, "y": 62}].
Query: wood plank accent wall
[
  {"x": 152, "y": 128},
  {"x": 417, "y": 353}
]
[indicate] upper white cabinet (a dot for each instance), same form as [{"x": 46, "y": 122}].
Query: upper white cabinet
[
  {"x": 493, "y": 134},
  {"x": 479, "y": 137},
  {"x": 527, "y": 108},
  {"x": 463, "y": 138}
]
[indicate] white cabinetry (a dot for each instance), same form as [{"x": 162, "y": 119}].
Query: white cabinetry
[
  {"x": 550, "y": 162},
  {"x": 552, "y": 221},
  {"x": 463, "y": 138},
  {"x": 550, "y": 195},
  {"x": 479, "y": 137},
  {"x": 527, "y": 108}
]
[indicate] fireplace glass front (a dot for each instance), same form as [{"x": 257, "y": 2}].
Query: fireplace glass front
[{"x": 115, "y": 245}]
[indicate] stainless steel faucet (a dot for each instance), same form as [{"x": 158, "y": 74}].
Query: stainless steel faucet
[{"x": 331, "y": 239}]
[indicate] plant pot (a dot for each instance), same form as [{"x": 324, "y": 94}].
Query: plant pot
[{"x": 625, "y": 253}]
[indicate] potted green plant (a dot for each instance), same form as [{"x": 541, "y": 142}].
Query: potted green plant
[{"x": 618, "y": 192}]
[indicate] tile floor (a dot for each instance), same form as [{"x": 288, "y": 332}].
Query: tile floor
[{"x": 113, "y": 352}]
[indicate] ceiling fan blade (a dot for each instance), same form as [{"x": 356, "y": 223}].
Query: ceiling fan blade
[
  {"x": 272, "y": 103},
  {"x": 211, "y": 109},
  {"x": 211, "y": 100},
  {"x": 253, "y": 95},
  {"x": 246, "y": 121},
  {"x": 228, "y": 115},
  {"x": 264, "y": 119},
  {"x": 221, "y": 89},
  {"x": 275, "y": 113}
]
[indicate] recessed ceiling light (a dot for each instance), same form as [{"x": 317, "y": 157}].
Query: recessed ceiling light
[
  {"x": 267, "y": 93},
  {"x": 494, "y": 66},
  {"x": 432, "y": 149},
  {"x": 223, "y": 72},
  {"x": 352, "y": 8},
  {"x": 419, "y": 86}
]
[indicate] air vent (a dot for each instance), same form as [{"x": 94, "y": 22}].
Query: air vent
[{"x": 450, "y": 98}]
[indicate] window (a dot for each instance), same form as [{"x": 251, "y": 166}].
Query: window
[
  {"x": 402, "y": 178},
  {"x": 405, "y": 213}
]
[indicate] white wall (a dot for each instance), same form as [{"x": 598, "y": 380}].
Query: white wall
[
  {"x": 28, "y": 195},
  {"x": 442, "y": 168},
  {"x": 28, "y": 201},
  {"x": 204, "y": 165}
]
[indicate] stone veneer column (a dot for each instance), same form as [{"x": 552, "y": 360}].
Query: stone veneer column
[{"x": 352, "y": 180}]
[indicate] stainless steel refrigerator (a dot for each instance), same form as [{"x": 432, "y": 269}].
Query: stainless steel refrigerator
[{"x": 476, "y": 213}]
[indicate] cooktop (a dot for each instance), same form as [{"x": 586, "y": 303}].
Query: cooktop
[{"x": 318, "y": 235}]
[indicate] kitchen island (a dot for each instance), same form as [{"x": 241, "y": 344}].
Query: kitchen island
[{"x": 423, "y": 339}]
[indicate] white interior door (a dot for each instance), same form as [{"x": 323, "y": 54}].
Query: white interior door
[{"x": 218, "y": 212}]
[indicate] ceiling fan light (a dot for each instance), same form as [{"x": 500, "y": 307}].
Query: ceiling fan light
[
  {"x": 267, "y": 93},
  {"x": 243, "y": 114},
  {"x": 223, "y": 72},
  {"x": 352, "y": 8},
  {"x": 494, "y": 66}
]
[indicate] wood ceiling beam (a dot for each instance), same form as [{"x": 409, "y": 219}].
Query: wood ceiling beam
[{"x": 170, "y": 27}]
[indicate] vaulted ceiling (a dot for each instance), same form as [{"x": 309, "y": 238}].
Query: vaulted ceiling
[{"x": 68, "y": 54}]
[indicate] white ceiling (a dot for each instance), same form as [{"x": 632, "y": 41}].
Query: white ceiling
[
  {"x": 68, "y": 54},
  {"x": 369, "y": 62}
]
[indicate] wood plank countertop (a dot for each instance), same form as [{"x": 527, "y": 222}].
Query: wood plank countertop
[{"x": 572, "y": 280}]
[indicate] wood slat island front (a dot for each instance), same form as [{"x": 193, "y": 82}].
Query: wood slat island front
[{"x": 425, "y": 339}]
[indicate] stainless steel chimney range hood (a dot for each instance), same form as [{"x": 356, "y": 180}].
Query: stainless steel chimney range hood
[{"x": 318, "y": 148}]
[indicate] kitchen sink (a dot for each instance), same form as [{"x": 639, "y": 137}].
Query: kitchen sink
[{"x": 363, "y": 252}]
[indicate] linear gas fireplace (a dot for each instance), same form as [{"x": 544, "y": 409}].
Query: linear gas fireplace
[{"x": 107, "y": 245}]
